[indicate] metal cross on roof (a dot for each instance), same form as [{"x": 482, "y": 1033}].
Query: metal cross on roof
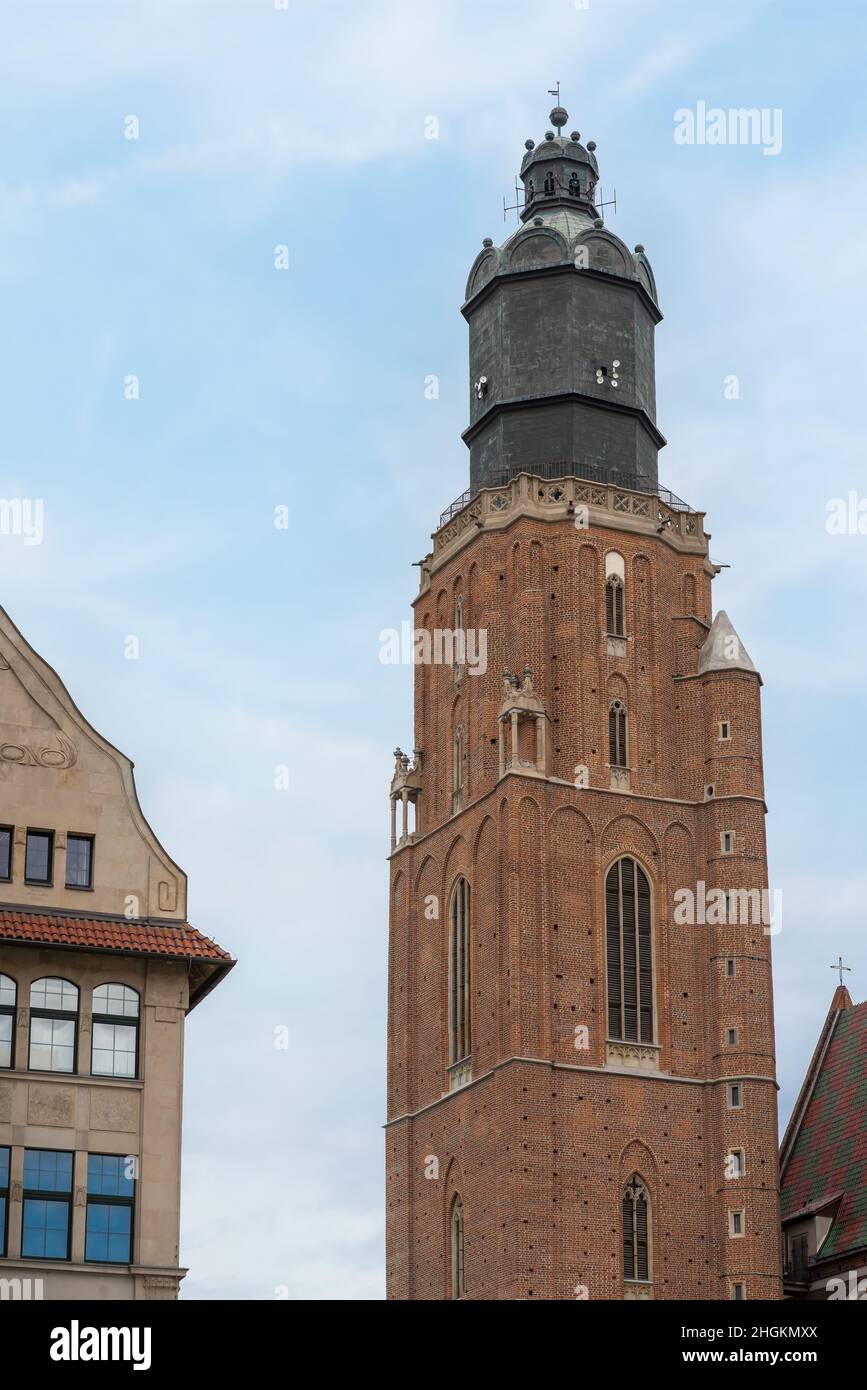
[{"x": 840, "y": 967}]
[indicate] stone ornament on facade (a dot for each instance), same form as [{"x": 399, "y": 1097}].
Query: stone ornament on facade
[
  {"x": 521, "y": 704},
  {"x": 643, "y": 1056},
  {"x": 405, "y": 790},
  {"x": 41, "y": 755}
]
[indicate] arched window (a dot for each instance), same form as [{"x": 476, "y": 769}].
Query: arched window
[
  {"x": 115, "y": 1031},
  {"x": 614, "y": 606},
  {"x": 53, "y": 1024},
  {"x": 636, "y": 1231},
  {"x": 460, "y": 1043},
  {"x": 457, "y": 768},
  {"x": 550, "y": 186},
  {"x": 629, "y": 949},
  {"x": 617, "y": 743},
  {"x": 460, "y": 645},
  {"x": 457, "y": 1243},
  {"x": 8, "y": 997}
]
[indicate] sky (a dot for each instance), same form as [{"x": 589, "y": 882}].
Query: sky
[{"x": 164, "y": 387}]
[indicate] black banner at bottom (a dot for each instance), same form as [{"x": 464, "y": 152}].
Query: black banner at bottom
[{"x": 83, "y": 1339}]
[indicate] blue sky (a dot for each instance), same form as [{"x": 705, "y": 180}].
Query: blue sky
[{"x": 305, "y": 127}]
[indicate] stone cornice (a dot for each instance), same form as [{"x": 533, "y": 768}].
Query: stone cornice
[
  {"x": 527, "y": 495},
  {"x": 420, "y": 837},
  {"x": 647, "y": 1076},
  {"x": 564, "y": 268},
  {"x": 635, "y": 412}
]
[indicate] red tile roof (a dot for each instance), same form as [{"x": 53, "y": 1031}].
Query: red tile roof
[{"x": 110, "y": 934}]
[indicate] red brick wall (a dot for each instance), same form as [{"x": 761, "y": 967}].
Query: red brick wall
[{"x": 540, "y": 1149}]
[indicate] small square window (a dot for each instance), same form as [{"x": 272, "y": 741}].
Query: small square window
[
  {"x": 730, "y": 967},
  {"x": 732, "y": 1037},
  {"x": 738, "y": 1291},
  {"x": 6, "y": 832},
  {"x": 724, "y": 730},
  {"x": 38, "y": 856},
  {"x": 79, "y": 861},
  {"x": 727, "y": 841},
  {"x": 735, "y": 1100},
  {"x": 736, "y": 1223}
]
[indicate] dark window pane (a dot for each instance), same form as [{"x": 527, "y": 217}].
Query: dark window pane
[
  {"x": 78, "y": 861},
  {"x": 109, "y": 1175},
  {"x": 46, "y": 1170},
  {"x": 37, "y": 861},
  {"x": 2, "y": 1225},
  {"x": 5, "y": 852},
  {"x": 46, "y": 1228},
  {"x": 108, "y": 1233},
  {"x": 4, "y": 1168}
]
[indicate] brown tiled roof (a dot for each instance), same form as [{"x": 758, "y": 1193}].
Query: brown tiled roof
[{"x": 180, "y": 942}]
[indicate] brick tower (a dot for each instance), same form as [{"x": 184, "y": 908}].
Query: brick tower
[{"x": 581, "y": 1092}]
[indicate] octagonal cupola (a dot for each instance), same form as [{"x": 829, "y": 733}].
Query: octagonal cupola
[{"x": 559, "y": 171}]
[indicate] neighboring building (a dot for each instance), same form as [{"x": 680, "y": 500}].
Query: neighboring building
[
  {"x": 581, "y": 1094},
  {"x": 98, "y": 969},
  {"x": 823, "y": 1164}
]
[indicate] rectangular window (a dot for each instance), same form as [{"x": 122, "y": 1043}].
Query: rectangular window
[
  {"x": 110, "y": 1197},
  {"x": 727, "y": 841},
  {"x": 734, "y": 1096},
  {"x": 8, "y": 997},
  {"x": 114, "y": 1049},
  {"x": 79, "y": 861},
  {"x": 738, "y": 1291},
  {"x": 736, "y": 1223},
  {"x": 732, "y": 1037},
  {"x": 6, "y": 832},
  {"x": 736, "y": 1166},
  {"x": 47, "y": 1204},
  {"x": 730, "y": 967},
  {"x": 52, "y": 1044},
  {"x": 4, "y": 1196},
  {"x": 799, "y": 1259},
  {"x": 724, "y": 731},
  {"x": 38, "y": 856}
]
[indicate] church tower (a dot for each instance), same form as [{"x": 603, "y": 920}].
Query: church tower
[{"x": 581, "y": 1076}]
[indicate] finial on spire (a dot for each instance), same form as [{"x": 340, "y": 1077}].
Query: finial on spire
[
  {"x": 840, "y": 967},
  {"x": 558, "y": 116}
]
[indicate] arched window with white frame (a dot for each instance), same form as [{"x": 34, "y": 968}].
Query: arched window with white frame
[{"x": 53, "y": 1024}]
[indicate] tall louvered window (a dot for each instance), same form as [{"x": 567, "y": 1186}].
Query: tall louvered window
[
  {"x": 457, "y": 769},
  {"x": 460, "y": 1044},
  {"x": 629, "y": 953},
  {"x": 614, "y": 606},
  {"x": 636, "y": 1231},
  {"x": 457, "y": 1238},
  {"x": 617, "y": 742}
]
